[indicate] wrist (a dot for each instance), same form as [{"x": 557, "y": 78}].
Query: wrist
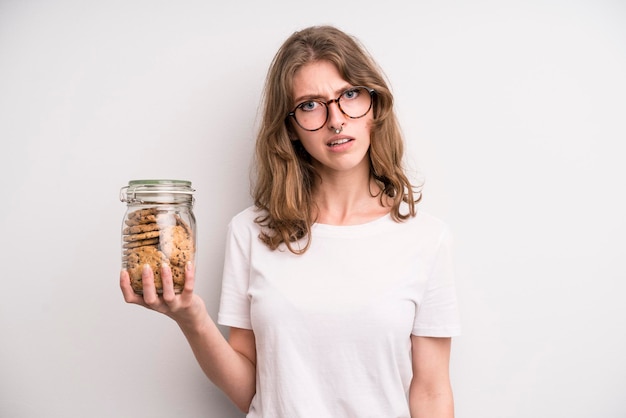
[{"x": 194, "y": 319}]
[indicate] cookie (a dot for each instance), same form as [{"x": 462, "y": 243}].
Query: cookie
[
  {"x": 178, "y": 276},
  {"x": 142, "y": 255},
  {"x": 128, "y": 251},
  {"x": 141, "y": 236},
  {"x": 137, "y": 258},
  {"x": 177, "y": 245},
  {"x": 142, "y": 216},
  {"x": 183, "y": 224},
  {"x": 141, "y": 243},
  {"x": 140, "y": 213},
  {"x": 140, "y": 229},
  {"x": 179, "y": 257}
]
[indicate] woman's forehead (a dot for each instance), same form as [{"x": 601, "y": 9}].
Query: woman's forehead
[{"x": 318, "y": 78}]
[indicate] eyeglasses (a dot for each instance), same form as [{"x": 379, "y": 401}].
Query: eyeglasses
[{"x": 312, "y": 115}]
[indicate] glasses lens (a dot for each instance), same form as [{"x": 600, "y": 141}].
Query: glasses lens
[
  {"x": 311, "y": 115},
  {"x": 355, "y": 102}
]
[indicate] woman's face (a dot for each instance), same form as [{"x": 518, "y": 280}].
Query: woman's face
[{"x": 331, "y": 152}]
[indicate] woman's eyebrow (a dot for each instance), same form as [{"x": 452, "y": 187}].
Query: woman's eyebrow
[
  {"x": 308, "y": 97},
  {"x": 316, "y": 96}
]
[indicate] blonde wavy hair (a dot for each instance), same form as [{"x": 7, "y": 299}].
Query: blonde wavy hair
[{"x": 284, "y": 174}]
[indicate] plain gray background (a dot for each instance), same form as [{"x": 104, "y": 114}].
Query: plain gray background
[{"x": 514, "y": 113}]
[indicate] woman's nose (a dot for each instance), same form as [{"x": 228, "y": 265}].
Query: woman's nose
[{"x": 336, "y": 117}]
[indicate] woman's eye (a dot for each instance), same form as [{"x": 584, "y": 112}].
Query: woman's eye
[
  {"x": 308, "y": 106},
  {"x": 351, "y": 94}
]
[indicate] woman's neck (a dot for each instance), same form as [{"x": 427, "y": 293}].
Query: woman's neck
[{"x": 348, "y": 199}]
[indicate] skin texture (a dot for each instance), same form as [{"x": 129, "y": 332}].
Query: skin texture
[{"x": 430, "y": 394}]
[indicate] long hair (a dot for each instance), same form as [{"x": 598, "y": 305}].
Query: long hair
[{"x": 285, "y": 175}]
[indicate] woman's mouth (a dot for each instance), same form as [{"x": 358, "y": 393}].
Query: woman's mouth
[{"x": 337, "y": 142}]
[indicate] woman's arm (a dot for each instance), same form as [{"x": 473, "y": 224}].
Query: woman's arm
[
  {"x": 430, "y": 394},
  {"x": 230, "y": 365}
]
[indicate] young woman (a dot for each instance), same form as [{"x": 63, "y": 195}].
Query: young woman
[{"x": 338, "y": 292}]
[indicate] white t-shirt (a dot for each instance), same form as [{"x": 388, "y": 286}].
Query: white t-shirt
[{"x": 333, "y": 325}]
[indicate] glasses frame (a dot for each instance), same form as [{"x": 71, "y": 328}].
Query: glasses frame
[{"x": 329, "y": 102}]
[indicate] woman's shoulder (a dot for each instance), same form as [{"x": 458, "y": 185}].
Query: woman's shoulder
[
  {"x": 428, "y": 225},
  {"x": 246, "y": 218},
  {"x": 427, "y": 218},
  {"x": 422, "y": 218}
]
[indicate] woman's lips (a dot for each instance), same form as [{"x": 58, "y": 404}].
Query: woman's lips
[{"x": 337, "y": 142}]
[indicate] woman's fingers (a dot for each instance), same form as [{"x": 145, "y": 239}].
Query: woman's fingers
[
  {"x": 190, "y": 281},
  {"x": 168, "y": 284},
  {"x": 150, "y": 295},
  {"x": 168, "y": 302},
  {"x": 176, "y": 302},
  {"x": 129, "y": 294}
]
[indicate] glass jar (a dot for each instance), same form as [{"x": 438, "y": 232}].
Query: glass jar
[{"x": 159, "y": 227}]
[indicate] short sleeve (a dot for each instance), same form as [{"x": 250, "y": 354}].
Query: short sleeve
[
  {"x": 234, "y": 302},
  {"x": 437, "y": 313}
]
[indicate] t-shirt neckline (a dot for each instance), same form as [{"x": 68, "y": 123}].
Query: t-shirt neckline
[{"x": 371, "y": 226}]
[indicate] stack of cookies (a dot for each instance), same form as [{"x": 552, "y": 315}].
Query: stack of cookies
[{"x": 155, "y": 236}]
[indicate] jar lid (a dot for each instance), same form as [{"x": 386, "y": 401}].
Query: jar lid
[
  {"x": 138, "y": 189},
  {"x": 157, "y": 182}
]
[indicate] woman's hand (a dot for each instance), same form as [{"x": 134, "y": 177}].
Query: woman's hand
[{"x": 185, "y": 308}]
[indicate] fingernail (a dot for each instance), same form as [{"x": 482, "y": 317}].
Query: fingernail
[
  {"x": 189, "y": 266},
  {"x": 146, "y": 268}
]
